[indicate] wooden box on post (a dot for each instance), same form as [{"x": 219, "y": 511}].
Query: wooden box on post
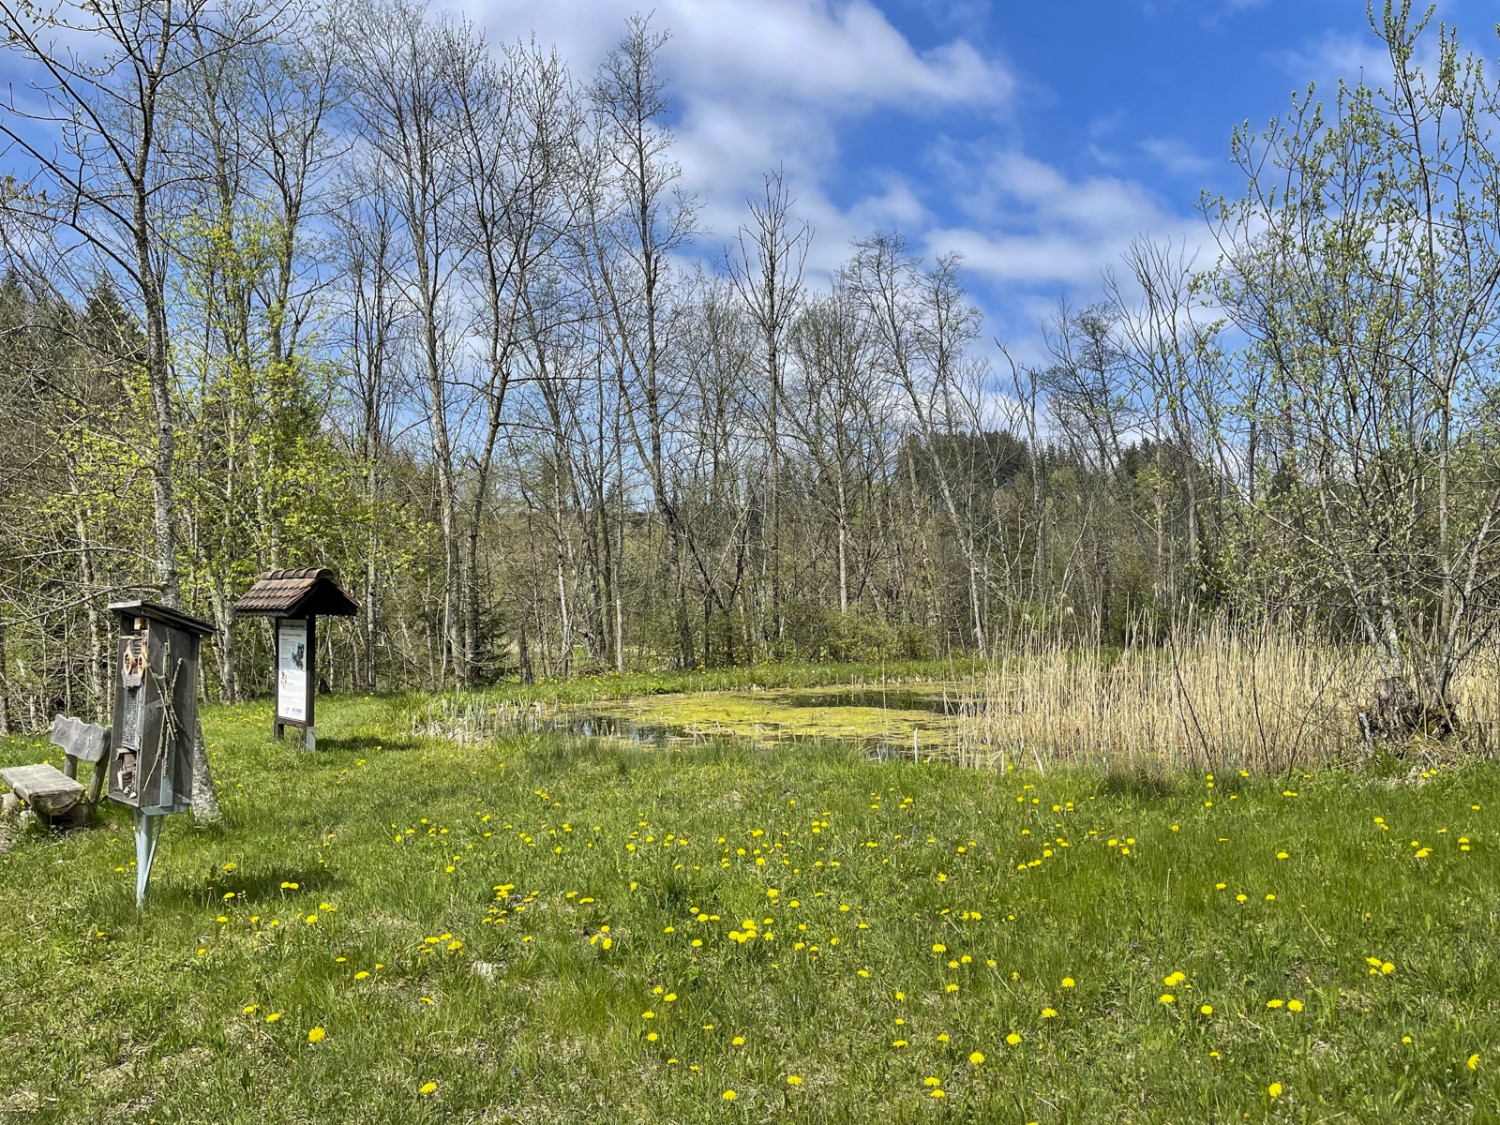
[
  {"x": 156, "y": 707},
  {"x": 296, "y": 599}
]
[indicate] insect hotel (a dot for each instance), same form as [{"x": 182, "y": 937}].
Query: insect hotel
[
  {"x": 296, "y": 599},
  {"x": 155, "y": 720}
]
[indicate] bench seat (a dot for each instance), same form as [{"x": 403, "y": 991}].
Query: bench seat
[
  {"x": 57, "y": 794},
  {"x": 44, "y": 787}
]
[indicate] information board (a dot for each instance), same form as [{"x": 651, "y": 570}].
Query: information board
[{"x": 291, "y": 671}]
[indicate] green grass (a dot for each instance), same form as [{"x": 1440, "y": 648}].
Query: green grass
[{"x": 1025, "y": 879}]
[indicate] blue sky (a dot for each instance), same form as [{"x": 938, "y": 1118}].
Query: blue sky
[{"x": 1038, "y": 139}]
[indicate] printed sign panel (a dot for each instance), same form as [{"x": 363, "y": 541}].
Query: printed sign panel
[{"x": 291, "y": 671}]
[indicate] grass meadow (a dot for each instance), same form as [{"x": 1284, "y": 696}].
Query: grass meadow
[{"x": 398, "y": 928}]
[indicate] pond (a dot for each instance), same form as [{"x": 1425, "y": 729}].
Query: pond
[{"x": 912, "y": 720}]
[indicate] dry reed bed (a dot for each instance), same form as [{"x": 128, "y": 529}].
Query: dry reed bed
[{"x": 1221, "y": 700}]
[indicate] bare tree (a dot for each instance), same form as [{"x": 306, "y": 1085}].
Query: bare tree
[
  {"x": 401, "y": 77},
  {"x": 765, "y": 264},
  {"x": 365, "y": 256},
  {"x": 922, "y": 324},
  {"x": 514, "y": 120},
  {"x": 632, "y": 232}
]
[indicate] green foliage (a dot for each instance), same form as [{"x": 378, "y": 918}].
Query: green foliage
[{"x": 1364, "y": 265}]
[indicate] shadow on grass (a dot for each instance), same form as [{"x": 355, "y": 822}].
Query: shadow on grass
[
  {"x": 1143, "y": 780},
  {"x": 367, "y": 744},
  {"x": 266, "y": 887},
  {"x": 110, "y": 906}
]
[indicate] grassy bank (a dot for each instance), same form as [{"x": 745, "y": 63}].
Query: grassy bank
[{"x": 547, "y": 930}]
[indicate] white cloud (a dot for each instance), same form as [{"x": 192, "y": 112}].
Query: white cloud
[
  {"x": 761, "y": 84},
  {"x": 1032, "y": 229},
  {"x": 838, "y": 54},
  {"x": 1333, "y": 56},
  {"x": 758, "y": 84},
  {"x": 1175, "y": 158},
  {"x": 1228, "y": 9}
]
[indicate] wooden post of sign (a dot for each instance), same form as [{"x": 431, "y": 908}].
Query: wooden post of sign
[{"x": 296, "y": 677}]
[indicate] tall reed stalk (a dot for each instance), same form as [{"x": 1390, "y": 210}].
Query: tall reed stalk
[{"x": 1213, "y": 698}]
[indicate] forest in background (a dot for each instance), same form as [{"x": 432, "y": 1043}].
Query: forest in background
[{"x": 347, "y": 285}]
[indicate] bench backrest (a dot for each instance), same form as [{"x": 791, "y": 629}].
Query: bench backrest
[{"x": 87, "y": 742}]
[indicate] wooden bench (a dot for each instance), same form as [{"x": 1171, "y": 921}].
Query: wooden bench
[{"x": 58, "y": 795}]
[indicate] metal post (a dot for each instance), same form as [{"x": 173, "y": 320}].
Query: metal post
[
  {"x": 147, "y": 832},
  {"x": 309, "y": 738},
  {"x": 277, "y": 729}
]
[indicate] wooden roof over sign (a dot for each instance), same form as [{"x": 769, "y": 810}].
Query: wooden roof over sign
[{"x": 297, "y": 593}]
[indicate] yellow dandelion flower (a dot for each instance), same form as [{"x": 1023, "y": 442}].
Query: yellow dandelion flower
[
  {"x": 1474, "y": 1061},
  {"x": 428, "y": 1089},
  {"x": 729, "y": 1095},
  {"x": 794, "y": 1080},
  {"x": 316, "y": 1035},
  {"x": 1014, "y": 1039},
  {"x": 976, "y": 1058},
  {"x": 1274, "y": 1089}
]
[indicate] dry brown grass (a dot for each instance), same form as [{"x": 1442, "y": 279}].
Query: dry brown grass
[{"x": 1219, "y": 699}]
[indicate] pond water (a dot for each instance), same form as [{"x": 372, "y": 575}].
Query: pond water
[{"x": 884, "y": 721}]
